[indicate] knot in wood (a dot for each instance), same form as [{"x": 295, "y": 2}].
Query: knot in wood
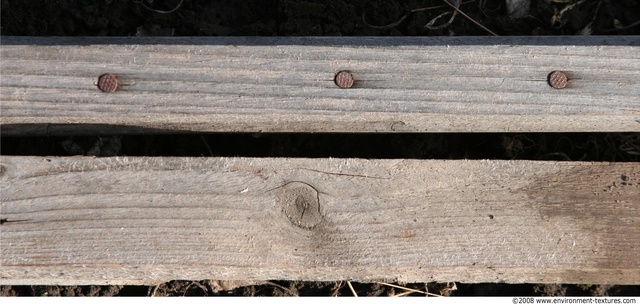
[{"x": 301, "y": 204}]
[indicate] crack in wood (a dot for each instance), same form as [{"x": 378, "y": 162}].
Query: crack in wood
[
  {"x": 341, "y": 174},
  {"x": 5, "y": 220}
]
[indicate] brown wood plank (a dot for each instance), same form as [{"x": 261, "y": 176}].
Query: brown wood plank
[
  {"x": 138, "y": 220},
  {"x": 244, "y": 84}
]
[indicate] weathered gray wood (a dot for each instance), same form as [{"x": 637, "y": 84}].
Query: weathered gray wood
[
  {"x": 48, "y": 85},
  {"x": 81, "y": 220}
]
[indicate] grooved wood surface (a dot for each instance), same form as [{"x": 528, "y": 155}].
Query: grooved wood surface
[
  {"x": 245, "y": 84},
  {"x": 138, "y": 220}
]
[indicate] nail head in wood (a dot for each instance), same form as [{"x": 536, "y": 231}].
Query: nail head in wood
[
  {"x": 344, "y": 79},
  {"x": 557, "y": 79},
  {"x": 108, "y": 83}
]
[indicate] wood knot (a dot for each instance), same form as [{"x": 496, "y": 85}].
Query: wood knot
[{"x": 301, "y": 204}]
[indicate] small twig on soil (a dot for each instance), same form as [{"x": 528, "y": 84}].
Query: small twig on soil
[
  {"x": 388, "y": 26},
  {"x": 159, "y": 11},
  {"x": 336, "y": 289},
  {"x": 206, "y": 145},
  {"x": 561, "y": 154},
  {"x": 433, "y": 21},
  {"x": 402, "y": 294},
  {"x": 194, "y": 283},
  {"x": 452, "y": 288},
  {"x": 558, "y": 16},
  {"x": 152, "y": 291},
  {"x": 470, "y": 19},
  {"x": 408, "y": 289},
  {"x": 621, "y": 28},
  {"x": 283, "y": 288},
  {"x": 352, "y": 290},
  {"x": 628, "y": 143},
  {"x": 397, "y": 22}
]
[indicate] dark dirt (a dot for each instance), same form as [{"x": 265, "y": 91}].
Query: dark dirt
[
  {"x": 324, "y": 18},
  {"x": 613, "y": 147},
  {"x": 295, "y": 288},
  {"x": 311, "y": 18}
]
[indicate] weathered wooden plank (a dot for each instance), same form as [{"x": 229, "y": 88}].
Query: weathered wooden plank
[
  {"x": 81, "y": 220},
  {"x": 245, "y": 84}
]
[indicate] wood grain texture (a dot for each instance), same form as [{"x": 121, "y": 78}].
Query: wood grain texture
[
  {"x": 245, "y": 84},
  {"x": 82, "y": 220}
]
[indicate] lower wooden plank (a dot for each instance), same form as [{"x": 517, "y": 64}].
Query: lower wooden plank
[{"x": 81, "y": 220}]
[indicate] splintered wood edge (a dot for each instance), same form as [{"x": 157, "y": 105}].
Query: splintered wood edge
[
  {"x": 421, "y": 84},
  {"x": 140, "y": 220}
]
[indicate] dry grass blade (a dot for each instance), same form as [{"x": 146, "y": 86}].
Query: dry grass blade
[
  {"x": 433, "y": 7},
  {"x": 402, "y": 294},
  {"x": 408, "y": 289},
  {"x": 352, "y": 290},
  {"x": 159, "y": 11}
]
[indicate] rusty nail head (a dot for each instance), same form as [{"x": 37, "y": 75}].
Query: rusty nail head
[
  {"x": 344, "y": 79},
  {"x": 108, "y": 83},
  {"x": 557, "y": 79}
]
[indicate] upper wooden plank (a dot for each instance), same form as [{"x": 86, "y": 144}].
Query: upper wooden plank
[
  {"x": 139, "y": 220},
  {"x": 258, "y": 84}
]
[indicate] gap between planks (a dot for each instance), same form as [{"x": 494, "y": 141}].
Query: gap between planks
[
  {"x": 280, "y": 84},
  {"x": 140, "y": 220}
]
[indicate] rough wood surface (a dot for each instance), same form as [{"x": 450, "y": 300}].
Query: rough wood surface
[
  {"x": 81, "y": 220},
  {"x": 244, "y": 84}
]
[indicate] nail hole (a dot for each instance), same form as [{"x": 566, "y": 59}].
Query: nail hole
[
  {"x": 491, "y": 216},
  {"x": 344, "y": 79}
]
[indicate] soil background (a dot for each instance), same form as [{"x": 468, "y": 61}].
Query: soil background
[
  {"x": 324, "y": 18},
  {"x": 311, "y": 17}
]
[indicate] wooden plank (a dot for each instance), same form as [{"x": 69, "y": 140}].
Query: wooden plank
[
  {"x": 82, "y": 220},
  {"x": 245, "y": 84}
]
